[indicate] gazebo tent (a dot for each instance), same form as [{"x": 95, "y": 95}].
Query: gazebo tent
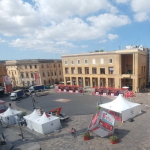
[
  {"x": 45, "y": 125},
  {"x": 8, "y": 116},
  {"x": 29, "y": 118},
  {"x": 126, "y": 108}
]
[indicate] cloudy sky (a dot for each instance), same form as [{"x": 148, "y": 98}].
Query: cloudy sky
[{"x": 51, "y": 28}]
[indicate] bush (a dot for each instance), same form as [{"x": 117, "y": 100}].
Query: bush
[
  {"x": 98, "y": 108},
  {"x": 86, "y": 134},
  {"x": 113, "y": 138},
  {"x": 23, "y": 113}
]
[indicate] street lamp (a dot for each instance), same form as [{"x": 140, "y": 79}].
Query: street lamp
[
  {"x": 19, "y": 123},
  {"x": 33, "y": 100},
  {"x": 82, "y": 85},
  {"x": 100, "y": 83}
]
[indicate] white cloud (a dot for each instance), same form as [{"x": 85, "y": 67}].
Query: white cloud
[
  {"x": 112, "y": 36},
  {"x": 48, "y": 46},
  {"x": 54, "y": 24},
  {"x": 122, "y": 1},
  {"x": 62, "y": 9},
  {"x": 141, "y": 9},
  {"x": 2, "y": 41},
  {"x": 84, "y": 46},
  {"x": 102, "y": 41}
]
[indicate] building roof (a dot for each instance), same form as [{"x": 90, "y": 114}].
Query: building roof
[
  {"x": 125, "y": 51},
  {"x": 32, "y": 61}
]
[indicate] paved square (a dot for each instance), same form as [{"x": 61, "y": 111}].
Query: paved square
[{"x": 62, "y": 100}]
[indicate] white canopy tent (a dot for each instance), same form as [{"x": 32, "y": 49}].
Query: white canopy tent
[
  {"x": 45, "y": 125},
  {"x": 8, "y": 116},
  {"x": 29, "y": 118},
  {"x": 126, "y": 108}
]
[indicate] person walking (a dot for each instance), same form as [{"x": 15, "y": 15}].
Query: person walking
[{"x": 73, "y": 131}]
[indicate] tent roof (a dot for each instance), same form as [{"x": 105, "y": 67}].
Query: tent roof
[
  {"x": 119, "y": 104},
  {"x": 10, "y": 112},
  {"x": 44, "y": 119},
  {"x": 32, "y": 116}
]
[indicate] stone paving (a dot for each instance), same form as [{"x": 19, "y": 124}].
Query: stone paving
[{"x": 132, "y": 135}]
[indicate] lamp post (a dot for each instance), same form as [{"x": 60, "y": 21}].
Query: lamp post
[
  {"x": 82, "y": 85},
  {"x": 19, "y": 123},
  {"x": 100, "y": 84},
  {"x": 33, "y": 100}
]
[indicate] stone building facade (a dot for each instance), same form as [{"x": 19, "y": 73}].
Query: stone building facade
[
  {"x": 22, "y": 72},
  {"x": 3, "y": 71},
  {"x": 111, "y": 69}
]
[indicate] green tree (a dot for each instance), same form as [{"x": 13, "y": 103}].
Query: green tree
[
  {"x": 96, "y": 51},
  {"x": 101, "y": 50}
]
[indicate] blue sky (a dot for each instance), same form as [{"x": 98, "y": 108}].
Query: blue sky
[{"x": 47, "y": 29}]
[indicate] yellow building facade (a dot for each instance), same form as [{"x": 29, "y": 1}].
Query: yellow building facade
[
  {"x": 22, "y": 72},
  {"x": 110, "y": 69},
  {"x": 3, "y": 71}
]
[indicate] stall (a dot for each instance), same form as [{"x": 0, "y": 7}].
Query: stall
[
  {"x": 9, "y": 116},
  {"x": 2, "y": 106},
  {"x": 122, "y": 107},
  {"x": 29, "y": 118},
  {"x": 46, "y": 124}
]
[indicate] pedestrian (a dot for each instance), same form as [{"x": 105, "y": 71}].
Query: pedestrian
[
  {"x": 73, "y": 132},
  {"x": 10, "y": 105}
]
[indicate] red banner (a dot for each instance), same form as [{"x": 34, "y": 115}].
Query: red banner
[
  {"x": 37, "y": 79},
  {"x": 7, "y": 84}
]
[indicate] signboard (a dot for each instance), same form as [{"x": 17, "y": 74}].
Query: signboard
[
  {"x": 37, "y": 79},
  {"x": 7, "y": 84},
  {"x": 102, "y": 124}
]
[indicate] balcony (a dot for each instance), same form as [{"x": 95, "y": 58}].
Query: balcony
[{"x": 126, "y": 75}]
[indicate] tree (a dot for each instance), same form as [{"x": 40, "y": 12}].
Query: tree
[
  {"x": 96, "y": 51},
  {"x": 101, "y": 50}
]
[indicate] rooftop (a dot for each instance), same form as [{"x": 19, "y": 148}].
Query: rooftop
[
  {"x": 32, "y": 61},
  {"x": 125, "y": 51}
]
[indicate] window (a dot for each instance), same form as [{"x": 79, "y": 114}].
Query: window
[
  {"x": 35, "y": 66},
  {"x": 60, "y": 79},
  {"x": 47, "y": 65},
  {"x": 93, "y": 61},
  {"x": 44, "y": 82},
  {"x": 73, "y": 70},
  {"x": 67, "y": 70},
  {"x": 31, "y": 75},
  {"x": 42, "y": 66},
  {"x": 65, "y": 62},
  {"x": 32, "y": 82},
  {"x": 54, "y": 65},
  {"x": 23, "y": 83},
  {"x": 144, "y": 68},
  {"x": 78, "y": 62},
  {"x": 51, "y": 73},
  {"x": 102, "y": 70},
  {"x": 25, "y": 66},
  {"x": 72, "y": 63},
  {"x": 22, "y": 76},
  {"x": 79, "y": 70},
  {"x": 101, "y": 61},
  {"x": 59, "y": 72},
  {"x": 30, "y": 66},
  {"x": 55, "y": 73},
  {"x": 43, "y": 74},
  {"x": 86, "y": 70},
  {"x": 27, "y": 75},
  {"x": 59, "y": 65},
  {"x": 110, "y": 61},
  {"x": 94, "y": 70},
  {"x": 48, "y": 73},
  {"x": 111, "y": 70},
  {"x": 86, "y": 62},
  {"x": 28, "y": 83}
]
